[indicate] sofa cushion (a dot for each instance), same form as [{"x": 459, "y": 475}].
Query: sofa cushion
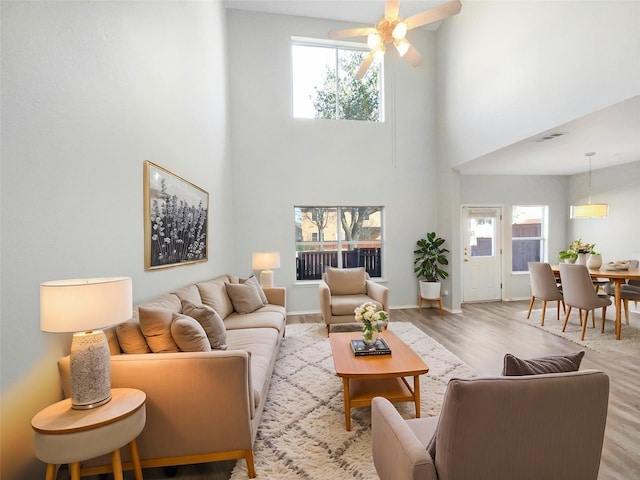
[
  {"x": 346, "y": 281},
  {"x": 245, "y": 298},
  {"x": 190, "y": 293},
  {"x": 535, "y": 366},
  {"x": 253, "y": 281},
  {"x": 189, "y": 334},
  {"x": 214, "y": 294},
  {"x": 210, "y": 321},
  {"x": 131, "y": 339},
  {"x": 264, "y": 317},
  {"x": 155, "y": 324},
  {"x": 346, "y": 304}
]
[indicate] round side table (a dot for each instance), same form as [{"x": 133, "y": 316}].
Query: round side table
[{"x": 64, "y": 435}]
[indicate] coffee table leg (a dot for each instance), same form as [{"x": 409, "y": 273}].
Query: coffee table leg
[
  {"x": 416, "y": 393},
  {"x": 347, "y": 404}
]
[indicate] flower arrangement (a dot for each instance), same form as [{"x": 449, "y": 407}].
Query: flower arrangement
[
  {"x": 372, "y": 320},
  {"x": 575, "y": 248}
]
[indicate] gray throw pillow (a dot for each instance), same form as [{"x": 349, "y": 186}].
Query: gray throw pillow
[
  {"x": 245, "y": 298},
  {"x": 210, "y": 321},
  {"x": 252, "y": 280},
  {"x": 514, "y": 366},
  {"x": 189, "y": 334}
]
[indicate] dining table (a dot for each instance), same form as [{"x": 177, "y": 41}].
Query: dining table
[{"x": 617, "y": 277}]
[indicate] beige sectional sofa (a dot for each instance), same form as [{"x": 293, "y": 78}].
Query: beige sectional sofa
[{"x": 201, "y": 406}]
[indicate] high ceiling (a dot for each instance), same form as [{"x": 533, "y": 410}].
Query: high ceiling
[{"x": 612, "y": 133}]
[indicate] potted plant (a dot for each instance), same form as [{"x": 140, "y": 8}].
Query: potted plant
[
  {"x": 577, "y": 252},
  {"x": 429, "y": 256}
]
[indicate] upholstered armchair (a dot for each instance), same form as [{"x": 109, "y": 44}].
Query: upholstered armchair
[
  {"x": 342, "y": 290},
  {"x": 534, "y": 426}
]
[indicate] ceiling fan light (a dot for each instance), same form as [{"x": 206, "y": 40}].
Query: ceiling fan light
[
  {"x": 379, "y": 55},
  {"x": 402, "y": 46},
  {"x": 373, "y": 41},
  {"x": 399, "y": 31}
]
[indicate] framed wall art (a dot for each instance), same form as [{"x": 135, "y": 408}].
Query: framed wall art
[{"x": 175, "y": 219}]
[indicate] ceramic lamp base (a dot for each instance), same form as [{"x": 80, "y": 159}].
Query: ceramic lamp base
[
  {"x": 266, "y": 278},
  {"x": 90, "y": 370}
]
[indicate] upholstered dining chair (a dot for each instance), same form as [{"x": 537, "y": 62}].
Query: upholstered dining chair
[
  {"x": 578, "y": 292},
  {"x": 548, "y": 426},
  {"x": 544, "y": 287},
  {"x": 628, "y": 292}
]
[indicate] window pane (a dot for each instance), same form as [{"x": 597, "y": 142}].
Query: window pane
[
  {"x": 358, "y": 99},
  {"x": 482, "y": 236},
  {"x": 316, "y": 224},
  {"x": 311, "y": 72},
  {"x": 527, "y": 233},
  {"x": 360, "y": 224}
]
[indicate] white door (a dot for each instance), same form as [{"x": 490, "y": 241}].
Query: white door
[{"x": 482, "y": 254}]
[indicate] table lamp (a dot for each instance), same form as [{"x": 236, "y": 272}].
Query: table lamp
[
  {"x": 265, "y": 261},
  {"x": 85, "y": 306}
]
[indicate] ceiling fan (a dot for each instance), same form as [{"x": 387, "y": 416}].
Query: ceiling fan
[{"x": 392, "y": 29}]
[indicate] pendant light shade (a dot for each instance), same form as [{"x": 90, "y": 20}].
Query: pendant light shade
[{"x": 589, "y": 210}]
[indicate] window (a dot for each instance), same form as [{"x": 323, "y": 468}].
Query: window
[
  {"x": 528, "y": 236},
  {"x": 324, "y": 83},
  {"x": 340, "y": 237}
]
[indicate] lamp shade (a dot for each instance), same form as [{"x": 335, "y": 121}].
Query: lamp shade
[
  {"x": 591, "y": 210},
  {"x": 265, "y": 260},
  {"x": 84, "y": 304}
]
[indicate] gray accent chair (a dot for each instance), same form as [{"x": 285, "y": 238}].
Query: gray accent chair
[
  {"x": 578, "y": 292},
  {"x": 628, "y": 291},
  {"x": 498, "y": 428},
  {"x": 544, "y": 287},
  {"x": 342, "y": 290}
]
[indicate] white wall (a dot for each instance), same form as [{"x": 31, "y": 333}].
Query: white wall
[
  {"x": 617, "y": 237},
  {"x": 89, "y": 91},
  {"x": 280, "y": 162},
  {"x": 511, "y": 70},
  {"x": 507, "y": 191}
]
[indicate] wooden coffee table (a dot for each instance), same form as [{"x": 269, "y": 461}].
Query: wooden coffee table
[{"x": 366, "y": 377}]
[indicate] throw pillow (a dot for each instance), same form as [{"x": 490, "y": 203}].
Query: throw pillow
[
  {"x": 211, "y": 323},
  {"x": 346, "y": 281},
  {"x": 514, "y": 366},
  {"x": 245, "y": 298},
  {"x": 131, "y": 338},
  {"x": 155, "y": 324},
  {"x": 189, "y": 334},
  {"x": 252, "y": 280}
]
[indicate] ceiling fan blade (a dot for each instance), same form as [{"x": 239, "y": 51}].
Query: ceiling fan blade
[
  {"x": 391, "y": 8},
  {"x": 413, "y": 56},
  {"x": 434, "y": 15},
  {"x": 365, "y": 65},
  {"x": 352, "y": 32}
]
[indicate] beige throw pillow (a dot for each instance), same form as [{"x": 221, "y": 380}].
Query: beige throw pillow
[
  {"x": 131, "y": 338},
  {"x": 346, "y": 281},
  {"x": 245, "y": 298},
  {"x": 210, "y": 321},
  {"x": 155, "y": 324},
  {"x": 253, "y": 281},
  {"x": 189, "y": 334}
]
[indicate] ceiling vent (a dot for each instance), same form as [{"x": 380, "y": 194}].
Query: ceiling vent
[{"x": 551, "y": 136}]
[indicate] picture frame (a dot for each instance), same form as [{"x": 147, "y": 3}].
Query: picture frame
[{"x": 175, "y": 219}]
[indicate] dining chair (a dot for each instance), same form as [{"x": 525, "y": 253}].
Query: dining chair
[
  {"x": 544, "y": 287},
  {"x": 578, "y": 292},
  {"x": 628, "y": 291}
]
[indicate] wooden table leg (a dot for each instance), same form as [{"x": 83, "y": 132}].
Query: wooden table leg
[
  {"x": 618, "y": 307},
  {"x": 347, "y": 404},
  {"x": 135, "y": 458},
  {"x": 75, "y": 470},
  {"x": 116, "y": 464},
  {"x": 416, "y": 393}
]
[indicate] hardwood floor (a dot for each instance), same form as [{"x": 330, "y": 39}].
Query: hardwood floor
[{"x": 480, "y": 336}]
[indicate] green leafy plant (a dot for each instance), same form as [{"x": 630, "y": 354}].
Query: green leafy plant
[
  {"x": 575, "y": 248},
  {"x": 429, "y": 256}
]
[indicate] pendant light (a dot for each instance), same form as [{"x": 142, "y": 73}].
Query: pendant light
[{"x": 589, "y": 210}]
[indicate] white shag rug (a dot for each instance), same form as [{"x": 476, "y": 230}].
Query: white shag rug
[
  {"x": 606, "y": 343},
  {"x": 302, "y": 433}
]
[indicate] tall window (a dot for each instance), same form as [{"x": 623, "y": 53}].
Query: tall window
[
  {"x": 342, "y": 237},
  {"x": 528, "y": 236},
  {"x": 324, "y": 83}
]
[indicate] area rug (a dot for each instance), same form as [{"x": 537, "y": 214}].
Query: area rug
[
  {"x": 302, "y": 434},
  {"x": 606, "y": 343}
]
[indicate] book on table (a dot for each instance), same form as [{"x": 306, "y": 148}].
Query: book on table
[{"x": 362, "y": 349}]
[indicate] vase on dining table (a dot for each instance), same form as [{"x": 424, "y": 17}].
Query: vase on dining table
[
  {"x": 582, "y": 259},
  {"x": 594, "y": 262}
]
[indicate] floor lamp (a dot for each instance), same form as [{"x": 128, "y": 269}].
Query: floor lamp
[{"x": 85, "y": 306}]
